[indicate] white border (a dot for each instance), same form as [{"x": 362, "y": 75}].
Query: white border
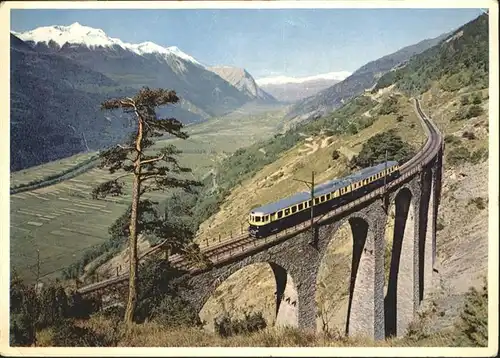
[{"x": 492, "y": 5}]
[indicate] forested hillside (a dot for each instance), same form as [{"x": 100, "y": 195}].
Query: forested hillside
[
  {"x": 54, "y": 111},
  {"x": 461, "y": 60}
]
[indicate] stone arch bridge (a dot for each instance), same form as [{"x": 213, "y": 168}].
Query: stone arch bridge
[{"x": 295, "y": 257}]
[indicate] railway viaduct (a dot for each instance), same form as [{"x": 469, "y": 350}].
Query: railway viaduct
[{"x": 295, "y": 257}]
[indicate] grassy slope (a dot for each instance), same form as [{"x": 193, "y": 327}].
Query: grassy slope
[{"x": 62, "y": 220}]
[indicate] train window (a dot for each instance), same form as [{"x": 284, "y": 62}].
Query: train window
[
  {"x": 301, "y": 206},
  {"x": 257, "y": 219},
  {"x": 280, "y": 214},
  {"x": 309, "y": 203},
  {"x": 266, "y": 218},
  {"x": 287, "y": 211},
  {"x": 294, "y": 209},
  {"x": 328, "y": 196},
  {"x": 316, "y": 201}
]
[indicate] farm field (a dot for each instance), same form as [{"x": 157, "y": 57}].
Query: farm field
[
  {"x": 25, "y": 176},
  {"x": 62, "y": 220}
]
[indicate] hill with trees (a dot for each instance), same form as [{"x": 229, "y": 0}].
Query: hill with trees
[
  {"x": 363, "y": 78},
  {"x": 459, "y": 61}
]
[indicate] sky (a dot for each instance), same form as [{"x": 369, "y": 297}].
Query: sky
[{"x": 266, "y": 42}]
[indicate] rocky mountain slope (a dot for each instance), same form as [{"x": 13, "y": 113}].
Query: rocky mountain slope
[
  {"x": 362, "y": 79},
  {"x": 243, "y": 81},
  {"x": 293, "y": 89}
]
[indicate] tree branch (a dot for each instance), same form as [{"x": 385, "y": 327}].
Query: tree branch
[
  {"x": 124, "y": 147},
  {"x": 153, "y": 159}
]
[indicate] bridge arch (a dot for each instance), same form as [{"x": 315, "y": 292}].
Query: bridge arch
[
  {"x": 347, "y": 274},
  {"x": 399, "y": 301},
  {"x": 242, "y": 289}
]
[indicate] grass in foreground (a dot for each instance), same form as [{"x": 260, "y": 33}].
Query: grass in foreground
[
  {"x": 470, "y": 330},
  {"x": 154, "y": 335}
]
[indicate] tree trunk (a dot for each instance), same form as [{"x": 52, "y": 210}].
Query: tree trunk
[{"x": 132, "y": 284}]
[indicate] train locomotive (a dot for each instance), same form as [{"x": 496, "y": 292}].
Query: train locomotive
[{"x": 275, "y": 217}]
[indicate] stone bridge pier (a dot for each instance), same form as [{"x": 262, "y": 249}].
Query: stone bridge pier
[{"x": 295, "y": 264}]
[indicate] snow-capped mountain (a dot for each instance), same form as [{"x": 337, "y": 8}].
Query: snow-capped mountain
[
  {"x": 92, "y": 38},
  {"x": 292, "y": 89},
  {"x": 143, "y": 64},
  {"x": 243, "y": 81},
  {"x": 61, "y": 74},
  {"x": 278, "y": 80}
]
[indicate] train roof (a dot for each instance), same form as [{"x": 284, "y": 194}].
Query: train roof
[{"x": 319, "y": 190}]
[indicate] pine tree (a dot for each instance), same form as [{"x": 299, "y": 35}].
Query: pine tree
[{"x": 150, "y": 172}]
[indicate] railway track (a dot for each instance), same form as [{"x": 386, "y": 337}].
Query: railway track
[{"x": 242, "y": 245}]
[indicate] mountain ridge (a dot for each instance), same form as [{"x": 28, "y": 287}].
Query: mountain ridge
[
  {"x": 363, "y": 78},
  {"x": 242, "y": 80}
]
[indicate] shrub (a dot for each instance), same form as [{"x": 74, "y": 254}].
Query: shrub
[
  {"x": 22, "y": 330},
  {"x": 389, "y": 106},
  {"x": 374, "y": 149},
  {"x": 469, "y": 135},
  {"x": 352, "y": 129},
  {"x": 478, "y": 202},
  {"x": 31, "y": 311},
  {"x": 474, "y": 111},
  {"x": 473, "y": 324},
  {"x": 451, "y": 139},
  {"x": 335, "y": 155},
  {"x": 400, "y": 118},
  {"x": 439, "y": 225},
  {"x": 158, "y": 298},
  {"x": 173, "y": 311},
  {"x": 458, "y": 155},
  {"x": 478, "y": 156},
  {"x": 225, "y": 326},
  {"x": 477, "y": 98},
  {"x": 464, "y": 100},
  {"x": 67, "y": 334}
]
